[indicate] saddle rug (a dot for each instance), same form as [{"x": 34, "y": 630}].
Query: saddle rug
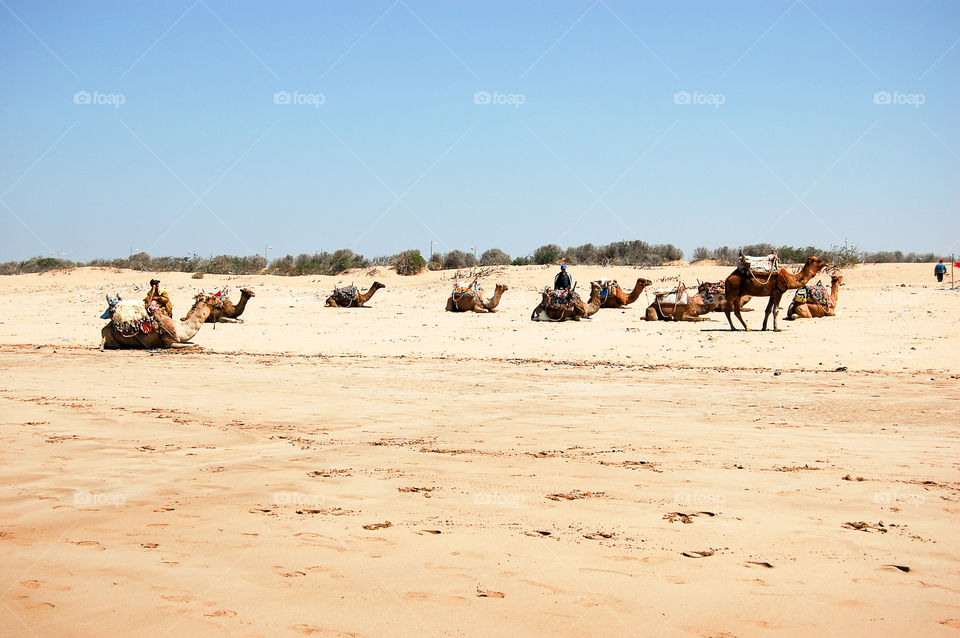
[
  {"x": 715, "y": 288},
  {"x": 812, "y": 294},
  {"x": 564, "y": 299},
  {"x": 132, "y": 317},
  {"x": 345, "y": 296},
  {"x": 470, "y": 290},
  {"x": 674, "y": 295},
  {"x": 607, "y": 287},
  {"x": 763, "y": 265}
]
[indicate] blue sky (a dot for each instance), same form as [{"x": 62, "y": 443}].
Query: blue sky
[{"x": 155, "y": 126}]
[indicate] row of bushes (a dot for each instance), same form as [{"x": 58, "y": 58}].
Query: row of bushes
[
  {"x": 841, "y": 256},
  {"x": 410, "y": 262}
]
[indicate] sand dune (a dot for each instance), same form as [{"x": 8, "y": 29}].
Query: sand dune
[{"x": 403, "y": 471}]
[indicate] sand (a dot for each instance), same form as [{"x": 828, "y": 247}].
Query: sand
[{"x": 403, "y": 471}]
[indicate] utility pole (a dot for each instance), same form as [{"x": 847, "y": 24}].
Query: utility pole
[
  {"x": 265, "y": 249},
  {"x": 432, "y": 244}
]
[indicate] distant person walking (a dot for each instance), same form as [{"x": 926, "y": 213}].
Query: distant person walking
[
  {"x": 940, "y": 270},
  {"x": 562, "y": 280}
]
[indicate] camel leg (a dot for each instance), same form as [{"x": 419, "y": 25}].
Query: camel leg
[
  {"x": 736, "y": 311},
  {"x": 802, "y": 312},
  {"x": 767, "y": 311},
  {"x": 450, "y": 305}
]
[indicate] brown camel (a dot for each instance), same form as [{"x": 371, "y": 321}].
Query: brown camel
[
  {"x": 350, "y": 297},
  {"x": 702, "y": 303},
  {"x": 474, "y": 301},
  {"x": 165, "y": 332},
  {"x": 230, "y": 312},
  {"x": 811, "y": 309},
  {"x": 739, "y": 284},
  {"x": 617, "y": 297},
  {"x": 578, "y": 310},
  {"x": 718, "y": 287}
]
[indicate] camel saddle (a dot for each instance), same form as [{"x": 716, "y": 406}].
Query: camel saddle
[
  {"x": 812, "y": 294},
  {"x": 564, "y": 299},
  {"x": 345, "y": 296},
  {"x": 715, "y": 288},
  {"x": 470, "y": 290},
  {"x": 762, "y": 265},
  {"x": 672, "y": 295},
  {"x": 607, "y": 287}
]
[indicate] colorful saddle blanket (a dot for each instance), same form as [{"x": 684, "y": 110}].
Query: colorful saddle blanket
[
  {"x": 812, "y": 294},
  {"x": 469, "y": 290},
  {"x": 564, "y": 299},
  {"x": 131, "y": 317},
  {"x": 345, "y": 296},
  {"x": 714, "y": 288}
]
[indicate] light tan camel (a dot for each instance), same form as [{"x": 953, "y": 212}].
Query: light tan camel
[
  {"x": 230, "y": 312},
  {"x": 812, "y": 309},
  {"x": 357, "y": 301},
  {"x": 739, "y": 284},
  {"x": 617, "y": 297},
  {"x": 702, "y": 303},
  {"x": 579, "y": 311},
  {"x": 475, "y": 302},
  {"x": 166, "y": 333}
]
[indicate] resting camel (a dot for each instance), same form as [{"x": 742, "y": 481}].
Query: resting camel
[
  {"x": 702, "y": 303},
  {"x": 812, "y": 309},
  {"x": 580, "y": 310},
  {"x": 230, "y": 312},
  {"x": 617, "y": 297},
  {"x": 717, "y": 287},
  {"x": 166, "y": 332},
  {"x": 475, "y": 301},
  {"x": 350, "y": 297},
  {"x": 739, "y": 284}
]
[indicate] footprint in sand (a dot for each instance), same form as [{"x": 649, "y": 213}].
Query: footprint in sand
[
  {"x": 423, "y": 596},
  {"x": 221, "y": 612},
  {"x": 91, "y": 544}
]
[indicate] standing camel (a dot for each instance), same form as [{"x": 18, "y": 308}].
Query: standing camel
[
  {"x": 617, "y": 297},
  {"x": 741, "y": 283},
  {"x": 350, "y": 297},
  {"x": 812, "y": 308}
]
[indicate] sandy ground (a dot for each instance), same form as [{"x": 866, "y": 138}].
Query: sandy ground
[{"x": 606, "y": 477}]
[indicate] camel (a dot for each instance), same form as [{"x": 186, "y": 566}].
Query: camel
[
  {"x": 165, "y": 332},
  {"x": 350, "y": 297},
  {"x": 230, "y": 312},
  {"x": 702, "y": 303},
  {"x": 718, "y": 287},
  {"x": 467, "y": 300},
  {"x": 618, "y": 298},
  {"x": 576, "y": 311},
  {"x": 739, "y": 284},
  {"x": 814, "y": 309}
]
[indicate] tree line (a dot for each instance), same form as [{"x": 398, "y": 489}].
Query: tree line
[{"x": 409, "y": 262}]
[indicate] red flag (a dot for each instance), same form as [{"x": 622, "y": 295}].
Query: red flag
[{"x": 956, "y": 264}]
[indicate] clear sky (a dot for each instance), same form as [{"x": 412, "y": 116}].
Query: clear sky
[{"x": 220, "y": 126}]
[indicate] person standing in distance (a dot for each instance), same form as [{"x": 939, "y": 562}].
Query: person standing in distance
[
  {"x": 940, "y": 270},
  {"x": 562, "y": 280}
]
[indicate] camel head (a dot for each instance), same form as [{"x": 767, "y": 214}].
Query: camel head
[
  {"x": 836, "y": 278},
  {"x": 500, "y": 289},
  {"x": 204, "y": 298},
  {"x": 644, "y": 282},
  {"x": 377, "y": 286},
  {"x": 815, "y": 264},
  {"x": 111, "y": 306},
  {"x": 246, "y": 292}
]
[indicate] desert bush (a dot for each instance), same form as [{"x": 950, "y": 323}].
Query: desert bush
[
  {"x": 458, "y": 259},
  {"x": 520, "y": 261},
  {"x": 409, "y": 262},
  {"x": 547, "y": 254},
  {"x": 494, "y": 257},
  {"x": 701, "y": 253}
]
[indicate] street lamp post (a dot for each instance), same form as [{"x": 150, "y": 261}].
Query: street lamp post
[
  {"x": 432, "y": 244},
  {"x": 474, "y": 249},
  {"x": 265, "y": 249}
]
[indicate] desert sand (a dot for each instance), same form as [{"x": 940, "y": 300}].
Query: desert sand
[{"x": 401, "y": 471}]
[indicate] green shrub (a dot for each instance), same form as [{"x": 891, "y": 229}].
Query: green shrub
[
  {"x": 547, "y": 254},
  {"x": 494, "y": 257},
  {"x": 409, "y": 262}
]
